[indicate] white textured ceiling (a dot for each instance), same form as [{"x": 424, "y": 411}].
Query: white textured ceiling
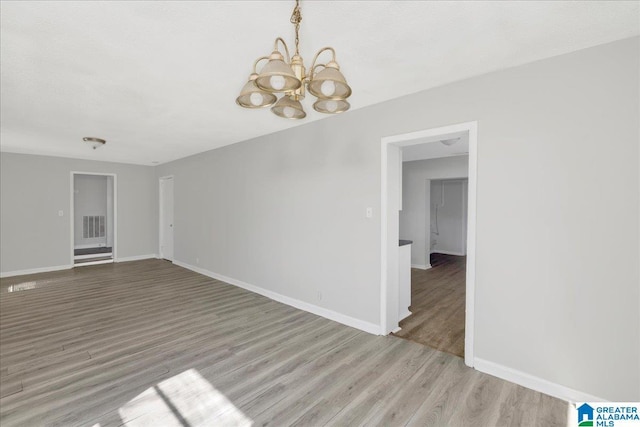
[{"x": 158, "y": 80}]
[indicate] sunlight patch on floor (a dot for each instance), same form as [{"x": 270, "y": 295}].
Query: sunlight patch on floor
[
  {"x": 184, "y": 400},
  {"x": 24, "y": 286}
]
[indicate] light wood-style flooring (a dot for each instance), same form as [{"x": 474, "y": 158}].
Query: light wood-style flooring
[
  {"x": 148, "y": 343},
  {"x": 438, "y": 305}
]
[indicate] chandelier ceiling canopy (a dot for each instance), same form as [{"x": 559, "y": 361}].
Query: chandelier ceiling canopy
[
  {"x": 287, "y": 75},
  {"x": 94, "y": 142}
]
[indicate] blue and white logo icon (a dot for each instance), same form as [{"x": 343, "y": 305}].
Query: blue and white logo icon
[
  {"x": 607, "y": 414},
  {"x": 585, "y": 415}
]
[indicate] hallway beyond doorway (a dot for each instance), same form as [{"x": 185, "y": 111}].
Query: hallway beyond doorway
[{"x": 437, "y": 305}]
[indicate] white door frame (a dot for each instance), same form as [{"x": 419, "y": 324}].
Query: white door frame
[
  {"x": 160, "y": 213},
  {"x": 115, "y": 215},
  {"x": 388, "y": 325}
]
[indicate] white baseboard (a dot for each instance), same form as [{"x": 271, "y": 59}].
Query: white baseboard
[
  {"x": 448, "y": 253},
  {"x": 98, "y": 255},
  {"x": 311, "y": 308},
  {"x": 405, "y": 315},
  {"x": 85, "y": 264},
  {"x": 90, "y": 245},
  {"x": 136, "y": 258},
  {"x": 421, "y": 266},
  {"x": 35, "y": 270},
  {"x": 534, "y": 383},
  {"x": 69, "y": 266}
]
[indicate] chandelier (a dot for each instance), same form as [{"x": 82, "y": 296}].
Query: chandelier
[{"x": 289, "y": 78}]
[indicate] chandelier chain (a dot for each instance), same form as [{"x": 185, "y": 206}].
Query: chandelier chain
[{"x": 296, "y": 18}]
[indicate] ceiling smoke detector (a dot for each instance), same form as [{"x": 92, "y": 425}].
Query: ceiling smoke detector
[
  {"x": 449, "y": 142},
  {"x": 94, "y": 142}
]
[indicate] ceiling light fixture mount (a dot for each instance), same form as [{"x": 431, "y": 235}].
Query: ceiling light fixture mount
[
  {"x": 289, "y": 78},
  {"x": 449, "y": 142},
  {"x": 94, "y": 142}
]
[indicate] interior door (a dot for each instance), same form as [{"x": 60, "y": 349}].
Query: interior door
[
  {"x": 449, "y": 217},
  {"x": 166, "y": 218}
]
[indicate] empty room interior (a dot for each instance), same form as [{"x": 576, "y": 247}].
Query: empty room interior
[{"x": 377, "y": 213}]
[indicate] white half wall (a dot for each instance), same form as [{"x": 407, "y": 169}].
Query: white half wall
[
  {"x": 415, "y": 216},
  {"x": 33, "y": 189}
]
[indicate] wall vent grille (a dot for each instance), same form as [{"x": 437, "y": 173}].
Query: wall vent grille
[{"x": 93, "y": 226}]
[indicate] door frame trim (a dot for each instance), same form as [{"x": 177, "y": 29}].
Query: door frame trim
[
  {"x": 404, "y": 140},
  {"x": 160, "y": 214},
  {"x": 72, "y": 213}
]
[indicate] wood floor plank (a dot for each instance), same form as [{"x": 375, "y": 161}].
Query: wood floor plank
[
  {"x": 405, "y": 401},
  {"x": 150, "y": 343},
  {"x": 10, "y": 385},
  {"x": 438, "y": 305},
  {"x": 445, "y": 396},
  {"x": 322, "y": 379},
  {"x": 383, "y": 386}
]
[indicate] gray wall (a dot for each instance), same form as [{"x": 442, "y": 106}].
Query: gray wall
[
  {"x": 35, "y": 188},
  {"x": 414, "y": 216},
  {"x": 286, "y": 212}
]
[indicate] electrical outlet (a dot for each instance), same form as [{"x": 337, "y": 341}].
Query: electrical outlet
[
  {"x": 369, "y": 213},
  {"x": 319, "y": 296},
  {"x": 197, "y": 260}
]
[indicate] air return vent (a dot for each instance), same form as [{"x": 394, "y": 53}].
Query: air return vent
[{"x": 93, "y": 226}]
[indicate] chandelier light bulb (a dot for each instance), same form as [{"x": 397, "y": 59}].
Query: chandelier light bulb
[
  {"x": 277, "y": 82},
  {"x": 331, "y": 106},
  {"x": 328, "y": 88},
  {"x": 288, "y": 112},
  {"x": 256, "y": 99}
]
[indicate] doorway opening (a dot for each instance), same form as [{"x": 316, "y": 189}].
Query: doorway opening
[
  {"x": 166, "y": 218},
  {"x": 437, "y": 290},
  {"x": 93, "y": 218},
  {"x": 431, "y": 210}
]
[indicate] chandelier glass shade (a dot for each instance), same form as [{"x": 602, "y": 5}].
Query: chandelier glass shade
[
  {"x": 331, "y": 106},
  {"x": 287, "y": 76},
  {"x": 277, "y": 75},
  {"x": 289, "y": 108},
  {"x": 251, "y": 96},
  {"x": 329, "y": 83}
]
